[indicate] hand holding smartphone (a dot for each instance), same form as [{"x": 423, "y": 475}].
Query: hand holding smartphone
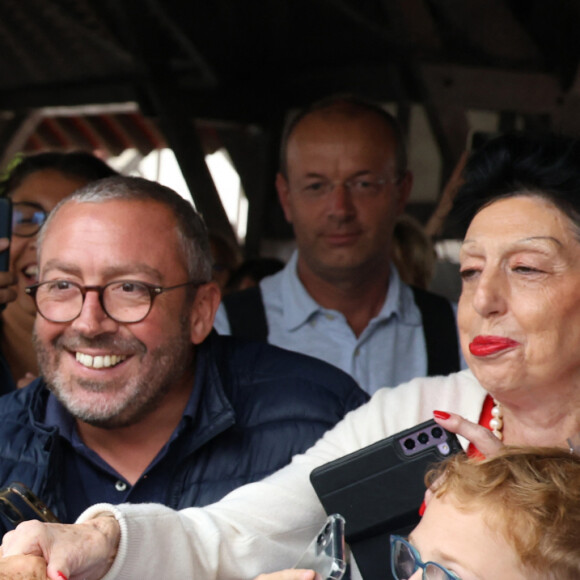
[
  {"x": 326, "y": 553},
  {"x": 379, "y": 490},
  {"x": 5, "y": 231}
]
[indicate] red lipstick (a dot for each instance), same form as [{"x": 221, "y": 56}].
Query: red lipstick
[{"x": 486, "y": 345}]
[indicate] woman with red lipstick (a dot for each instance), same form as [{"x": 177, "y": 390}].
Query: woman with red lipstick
[
  {"x": 35, "y": 185},
  {"x": 519, "y": 323}
]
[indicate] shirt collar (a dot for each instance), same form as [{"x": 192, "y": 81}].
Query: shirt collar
[
  {"x": 400, "y": 301},
  {"x": 207, "y": 413},
  {"x": 56, "y": 415},
  {"x": 300, "y": 307}
]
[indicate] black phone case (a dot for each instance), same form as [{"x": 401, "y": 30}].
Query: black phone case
[
  {"x": 379, "y": 490},
  {"x": 5, "y": 230}
]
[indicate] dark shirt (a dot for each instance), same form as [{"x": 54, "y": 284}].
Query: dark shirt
[
  {"x": 253, "y": 406},
  {"x": 88, "y": 479}
]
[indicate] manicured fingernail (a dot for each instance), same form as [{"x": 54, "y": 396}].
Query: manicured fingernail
[
  {"x": 422, "y": 508},
  {"x": 61, "y": 575},
  {"x": 441, "y": 414}
]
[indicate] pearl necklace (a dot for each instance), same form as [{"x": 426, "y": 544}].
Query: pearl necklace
[
  {"x": 496, "y": 426},
  {"x": 496, "y": 421}
]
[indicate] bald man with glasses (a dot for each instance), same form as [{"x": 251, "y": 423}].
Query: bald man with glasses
[
  {"x": 343, "y": 183},
  {"x": 139, "y": 400}
]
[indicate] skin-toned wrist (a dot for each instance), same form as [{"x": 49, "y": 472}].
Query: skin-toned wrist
[
  {"x": 108, "y": 526},
  {"x": 86, "y": 550}
]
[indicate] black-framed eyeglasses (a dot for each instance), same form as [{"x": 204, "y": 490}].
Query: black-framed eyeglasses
[
  {"x": 405, "y": 561},
  {"x": 124, "y": 301},
  {"x": 27, "y": 218}
]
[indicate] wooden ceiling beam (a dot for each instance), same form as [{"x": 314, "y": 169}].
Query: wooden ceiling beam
[
  {"x": 76, "y": 133},
  {"x": 140, "y": 133},
  {"x": 15, "y": 129},
  {"x": 472, "y": 88},
  {"x": 68, "y": 94},
  {"x": 567, "y": 117},
  {"x": 447, "y": 120},
  {"x": 478, "y": 88},
  {"x": 159, "y": 89},
  {"x": 486, "y": 30},
  {"x": 421, "y": 27},
  {"x": 87, "y": 127},
  {"x": 494, "y": 89}
]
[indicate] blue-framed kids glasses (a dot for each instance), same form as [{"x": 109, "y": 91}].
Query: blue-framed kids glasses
[{"x": 405, "y": 561}]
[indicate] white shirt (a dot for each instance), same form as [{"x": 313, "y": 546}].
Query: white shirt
[{"x": 266, "y": 526}]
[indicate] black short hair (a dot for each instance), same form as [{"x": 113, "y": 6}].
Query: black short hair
[
  {"x": 351, "y": 103},
  {"x": 542, "y": 164},
  {"x": 75, "y": 164}
]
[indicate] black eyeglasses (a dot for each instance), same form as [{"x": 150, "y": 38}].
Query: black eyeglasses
[
  {"x": 124, "y": 301},
  {"x": 27, "y": 218}
]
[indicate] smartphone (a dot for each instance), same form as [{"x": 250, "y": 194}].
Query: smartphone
[
  {"x": 18, "y": 504},
  {"x": 379, "y": 490},
  {"x": 326, "y": 553},
  {"x": 5, "y": 230}
]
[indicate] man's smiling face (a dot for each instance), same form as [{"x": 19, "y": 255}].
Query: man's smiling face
[{"x": 108, "y": 373}]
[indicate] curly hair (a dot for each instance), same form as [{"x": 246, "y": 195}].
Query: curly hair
[{"x": 531, "y": 494}]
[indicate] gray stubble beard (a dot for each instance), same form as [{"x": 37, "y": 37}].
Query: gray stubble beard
[{"x": 169, "y": 364}]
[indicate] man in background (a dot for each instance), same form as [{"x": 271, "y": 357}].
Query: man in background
[{"x": 343, "y": 182}]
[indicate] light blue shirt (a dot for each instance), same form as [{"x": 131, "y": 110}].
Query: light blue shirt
[{"x": 391, "y": 349}]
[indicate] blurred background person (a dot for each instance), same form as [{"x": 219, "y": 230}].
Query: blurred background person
[
  {"x": 226, "y": 257},
  {"x": 35, "y": 184},
  {"x": 343, "y": 181},
  {"x": 252, "y": 271},
  {"x": 446, "y": 279},
  {"x": 413, "y": 252}
]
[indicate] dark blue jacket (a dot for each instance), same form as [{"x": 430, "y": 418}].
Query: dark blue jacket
[{"x": 258, "y": 406}]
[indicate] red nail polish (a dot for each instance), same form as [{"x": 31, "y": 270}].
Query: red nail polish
[
  {"x": 61, "y": 575},
  {"x": 441, "y": 414}
]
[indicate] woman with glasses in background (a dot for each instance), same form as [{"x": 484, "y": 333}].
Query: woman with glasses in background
[
  {"x": 515, "y": 515},
  {"x": 35, "y": 184}
]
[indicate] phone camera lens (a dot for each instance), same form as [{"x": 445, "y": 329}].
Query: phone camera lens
[
  {"x": 423, "y": 438},
  {"x": 409, "y": 444},
  {"x": 322, "y": 539},
  {"x": 437, "y": 432}
]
